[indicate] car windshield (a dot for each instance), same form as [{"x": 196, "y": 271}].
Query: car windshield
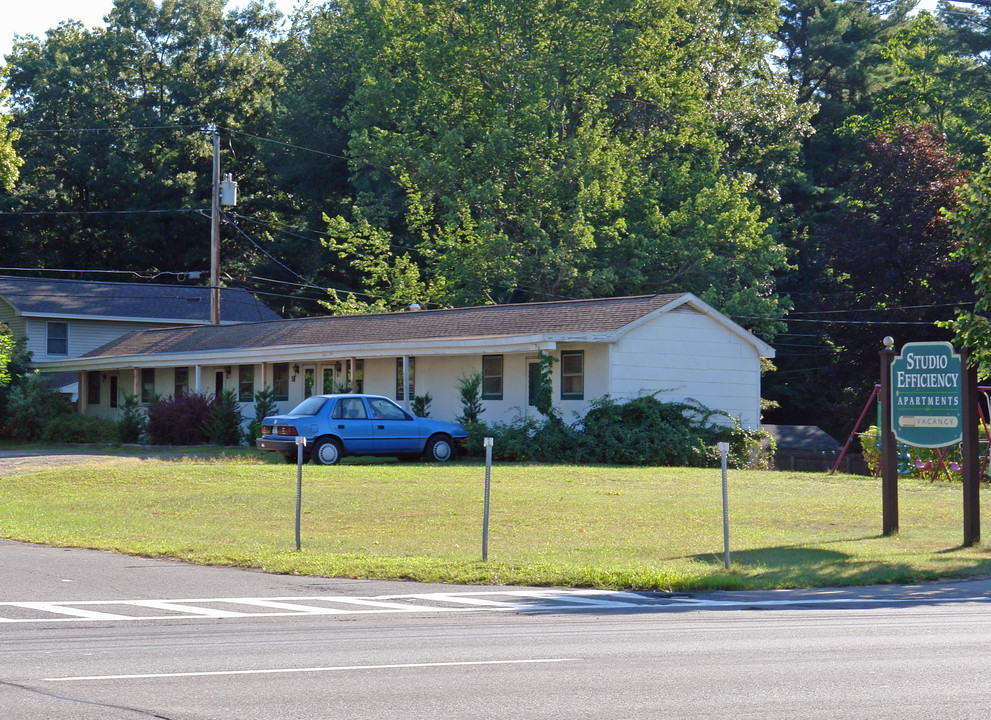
[{"x": 310, "y": 406}]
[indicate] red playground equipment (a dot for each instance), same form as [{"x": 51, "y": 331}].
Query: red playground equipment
[{"x": 942, "y": 454}]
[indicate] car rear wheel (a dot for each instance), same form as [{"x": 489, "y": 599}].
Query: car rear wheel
[
  {"x": 327, "y": 451},
  {"x": 439, "y": 448}
]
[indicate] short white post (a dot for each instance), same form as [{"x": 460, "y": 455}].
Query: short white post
[
  {"x": 300, "y": 444},
  {"x": 487, "y": 442},
  {"x": 723, "y": 450}
]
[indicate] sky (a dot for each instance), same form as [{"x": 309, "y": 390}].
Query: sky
[{"x": 34, "y": 17}]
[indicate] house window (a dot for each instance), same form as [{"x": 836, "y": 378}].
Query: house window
[
  {"x": 328, "y": 381},
  {"x": 358, "y": 385},
  {"x": 280, "y": 381},
  {"x": 533, "y": 383},
  {"x": 181, "y": 381},
  {"x": 58, "y": 338},
  {"x": 93, "y": 388},
  {"x": 113, "y": 391},
  {"x": 147, "y": 385},
  {"x": 399, "y": 378},
  {"x": 492, "y": 377},
  {"x": 573, "y": 375},
  {"x": 246, "y": 383}
]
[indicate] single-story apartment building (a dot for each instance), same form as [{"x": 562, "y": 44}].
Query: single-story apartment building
[{"x": 674, "y": 345}]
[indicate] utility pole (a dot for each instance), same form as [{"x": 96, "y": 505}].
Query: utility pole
[{"x": 215, "y": 230}]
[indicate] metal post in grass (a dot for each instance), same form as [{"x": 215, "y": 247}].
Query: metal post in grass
[
  {"x": 300, "y": 444},
  {"x": 723, "y": 450},
  {"x": 487, "y": 442}
]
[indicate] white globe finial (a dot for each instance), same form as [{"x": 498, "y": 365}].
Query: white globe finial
[{"x": 889, "y": 342}]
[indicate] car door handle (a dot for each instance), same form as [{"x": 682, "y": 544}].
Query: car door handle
[
  {"x": 381, "y": 427},
  {"x": 340, "y": 427}
]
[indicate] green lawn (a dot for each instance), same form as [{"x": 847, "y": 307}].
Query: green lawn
[{"x": 656, "y": 528}]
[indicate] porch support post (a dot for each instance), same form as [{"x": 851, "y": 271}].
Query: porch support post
[
  {"x": 198, "y": 379},
  {"x": 353, "y": 365},
  {"x": 137, "y": 383},
  {"x": 83, "y": 391},
  {"x": 406, "y": 403}
]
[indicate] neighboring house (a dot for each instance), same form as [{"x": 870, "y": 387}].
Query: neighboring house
[
  {"x": 674, "y": 345},
  {"x": 63, "y": 319}
]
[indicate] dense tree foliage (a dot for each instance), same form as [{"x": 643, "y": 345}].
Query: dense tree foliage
[
  {"x": 115, "y": 161},
  {"x": 786, "y": 162},
  {"x": 563, "y": 149}
]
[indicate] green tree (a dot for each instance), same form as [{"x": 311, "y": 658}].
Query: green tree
[
  {"x": 7, "y": 344},
  {"x": 561, "y": 148},
  {"x": 9, "y": 161},
  {"x": 117, "y": 160},
  {"x": 971, "y": 222}
]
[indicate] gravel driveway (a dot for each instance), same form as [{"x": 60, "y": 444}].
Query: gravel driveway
[{"x": 13, "y": 462}]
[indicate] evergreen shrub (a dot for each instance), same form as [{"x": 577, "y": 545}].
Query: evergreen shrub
[{"x": 223, "y": 426}]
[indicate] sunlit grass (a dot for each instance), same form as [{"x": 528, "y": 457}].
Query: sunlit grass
[{"x": 658, "y": 528}]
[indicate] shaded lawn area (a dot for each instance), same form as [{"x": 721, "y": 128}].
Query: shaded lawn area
[{"x": 610, "y": 527}]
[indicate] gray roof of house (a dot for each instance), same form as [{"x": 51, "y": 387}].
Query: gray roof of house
[
  {"x": 155, "y": 303},
  {"x": 488, "y": 321},
  {"x": 802, "y": 437}
]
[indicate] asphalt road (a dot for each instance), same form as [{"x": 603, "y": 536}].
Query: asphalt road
[{"x": 89, "y": 635}]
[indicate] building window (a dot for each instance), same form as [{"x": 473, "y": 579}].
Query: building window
[
  {"x": 246, "y": 383},
  {"x": 573, "y": 375},
  {"x": 358, "y": 385},
  {"x": 58, "y": 338},
  {"x": 399, "y": 378},
  {"x": 491, "y": 377},
  {"x": 328, "y": 381},
  {"x": 93, "y": 388},
  {"x": 147, "y": 385},
  {"x": 280, "y": 381},
  {"x": 309, "y": 381},
  {"x": 181, "y": 381},
  {"x": 113, "y": 391}
]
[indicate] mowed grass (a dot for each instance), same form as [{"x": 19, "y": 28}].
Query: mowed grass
[{"x": 610, "y": 527}]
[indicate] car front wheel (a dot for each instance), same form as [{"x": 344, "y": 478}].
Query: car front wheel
[
  {"x": 327, "y": 451},
  {"x": 439, "y": 449}
]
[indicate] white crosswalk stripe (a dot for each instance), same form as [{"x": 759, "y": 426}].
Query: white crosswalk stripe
[{"x": 220, "y": 608}]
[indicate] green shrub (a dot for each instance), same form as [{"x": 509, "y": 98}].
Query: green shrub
[
  {"x": 470, "y": 393},
  {"x": 421, "y": 405},
  {"x": 264, "y": 406},
  {"x": 31, "y": 405},
  {"x": 223, "y": 425},
  {"x": 642, "y": 431},
  {"x": 131, "y": 420},
  {"x": 80, "y": 429}
]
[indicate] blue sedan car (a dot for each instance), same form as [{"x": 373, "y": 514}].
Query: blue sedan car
[{"x": 339, "y": 425}]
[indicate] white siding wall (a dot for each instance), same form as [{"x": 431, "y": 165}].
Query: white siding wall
[
  {"x": 686, "y": 354},
  {"x": 84, "y": 335}
]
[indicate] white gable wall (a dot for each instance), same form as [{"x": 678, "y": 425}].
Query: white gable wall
[{"x": 686, "y": 354}]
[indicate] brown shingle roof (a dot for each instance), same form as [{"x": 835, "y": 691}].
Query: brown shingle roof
[{"x": 572, "y": 316}]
